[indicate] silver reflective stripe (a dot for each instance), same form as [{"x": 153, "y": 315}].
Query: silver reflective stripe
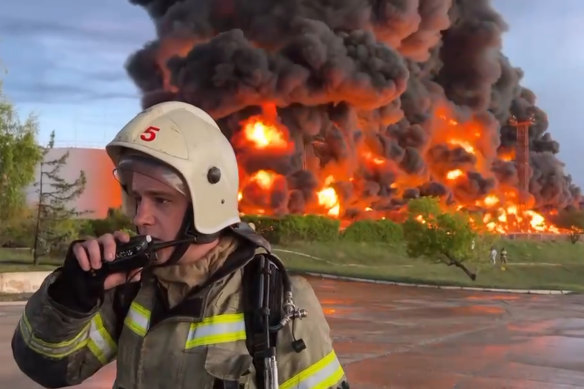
[
  {"x": 322, "y": 375},
  {"x": 138, "y": 319},
  {"x": 100, "y": 342},
  {"x": 217, "y": 329}
]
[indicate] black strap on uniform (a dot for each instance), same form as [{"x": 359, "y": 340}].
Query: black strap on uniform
[
  {"x": 123, "y": 297},
  {"x": 258, "y": 275}
]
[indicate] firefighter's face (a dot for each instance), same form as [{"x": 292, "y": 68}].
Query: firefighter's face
[{"x": 159, "y": 210}]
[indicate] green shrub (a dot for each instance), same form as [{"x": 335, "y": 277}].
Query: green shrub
[
  {"x": 55, "y": 240},
  {"x": 292, "y": 228},
  {"x": 384, "y": 231},
  {"x": 309, "y": 228},
  {"x": 18, "y": 231},
  {"x": 115, "y": 220},
  {"x": 268, "y": 227},
  {"x": 57, "y": 235}
]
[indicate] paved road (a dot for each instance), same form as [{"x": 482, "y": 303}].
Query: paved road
[{"x": 404, "y": 337}]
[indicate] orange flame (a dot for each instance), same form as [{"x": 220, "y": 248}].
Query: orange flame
[
  {"x": 464, "y": 144},
  {"x": 507, "y": 156},
  {"x": 491, "y": 200},
  {"x": 376, "y": 160},
  {"x": 264, "y": 179},
  {"x": 264, "y": 133},
  {"x": 454, "y": 174},
  {"x": 264, "y": 137},
  {"x": 329, "y": 199}
]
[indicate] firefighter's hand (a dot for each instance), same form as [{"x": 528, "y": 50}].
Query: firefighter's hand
[
  {"x": 76, "y": 287},
  {"x": 89, "y": 257}
]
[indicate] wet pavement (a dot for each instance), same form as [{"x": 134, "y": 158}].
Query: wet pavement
[{"x": 407, "y": 337}]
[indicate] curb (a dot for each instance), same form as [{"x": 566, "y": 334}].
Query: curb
[
  {"x": 522, "y": 291},
  {"x": 22, "y": 282},
  {"x": 30, "y": 282},
  {"x": 16, "y": 303}
]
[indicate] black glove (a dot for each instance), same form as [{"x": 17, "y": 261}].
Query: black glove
[{"x": 76, "y": 288}]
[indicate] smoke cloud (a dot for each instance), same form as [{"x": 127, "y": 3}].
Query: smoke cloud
[{"x": 389, "y": 96}]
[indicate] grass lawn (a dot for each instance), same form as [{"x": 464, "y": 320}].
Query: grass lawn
[
  {"x": 532, "y": 264},
  {"x": 16, "y": 260}
]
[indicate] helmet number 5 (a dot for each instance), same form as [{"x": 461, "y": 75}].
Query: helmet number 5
[{"x": 149, "y": 134}]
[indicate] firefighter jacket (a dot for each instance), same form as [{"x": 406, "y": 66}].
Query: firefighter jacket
[{"x": 200, "y": 343}]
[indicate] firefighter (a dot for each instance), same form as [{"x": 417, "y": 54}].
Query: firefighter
[
  {"x": 503, "y": 256},
  {"x": 179, "y": 323}
]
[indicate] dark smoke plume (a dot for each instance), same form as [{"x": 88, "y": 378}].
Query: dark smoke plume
[{"x": 348, "y": 73}]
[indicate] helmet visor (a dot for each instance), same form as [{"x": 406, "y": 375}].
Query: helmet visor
[{"x": 130, "y": 164}]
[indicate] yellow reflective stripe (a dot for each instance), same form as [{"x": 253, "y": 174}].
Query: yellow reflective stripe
[
  {"x": 138, "y": 319},
  {"x": 56, "y": 350},
  {"x": 100, "y": 342},
  {"x": 216, "y": 339},
  {"x": 216, "y": 329},
  {"x": 65, "y": 343},
  {"x": 93, "y": 335},
  {"x": 321, "y": 375},
  {"x": 95, "y": 350}
]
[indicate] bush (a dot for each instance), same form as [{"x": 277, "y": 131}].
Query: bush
[
  {"x": 56, "y": 237},
  {"x": 55, "y": 240},
  {"x": 268, "y": 227},
  {"x": 384, "y": 231},
  {"x": 18, "y": 231},
  {"x": 115, "y": 220},
  {"x": 292, "y": 228},
  {"x": 309, "y": 228}
]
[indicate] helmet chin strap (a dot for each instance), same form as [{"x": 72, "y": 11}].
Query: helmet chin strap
[{"x": 186, "y": 236}]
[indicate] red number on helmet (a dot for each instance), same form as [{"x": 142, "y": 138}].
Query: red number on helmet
[{"x": 149, "y": 134}]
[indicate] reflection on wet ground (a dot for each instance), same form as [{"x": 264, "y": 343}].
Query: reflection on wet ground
[{"x": 407, "y": 337}]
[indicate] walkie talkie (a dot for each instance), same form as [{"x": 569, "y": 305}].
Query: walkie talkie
[
  {"x": 134, "y": 254},
  {"x": 139, "y": 251}
]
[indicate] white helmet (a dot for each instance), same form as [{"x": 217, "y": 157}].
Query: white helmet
[{"x": 188, "y": 140}]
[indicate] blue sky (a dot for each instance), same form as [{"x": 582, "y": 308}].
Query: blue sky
[{"x": 64, "y": 61}]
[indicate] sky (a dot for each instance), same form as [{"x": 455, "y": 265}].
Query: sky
[{"x": 63, "y": 61}]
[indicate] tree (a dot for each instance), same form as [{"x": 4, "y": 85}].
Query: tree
[
  {"x": 54, "y": 225},
  {"x": 440, "y": 235},
  {"x": 19, "y": 156}
]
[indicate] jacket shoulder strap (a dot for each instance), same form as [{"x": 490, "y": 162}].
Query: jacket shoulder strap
[{"x": 254, "y": 303}]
